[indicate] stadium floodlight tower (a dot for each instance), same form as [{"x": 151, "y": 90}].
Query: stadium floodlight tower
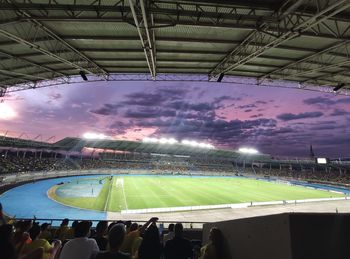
[{"x": 91, "y": 135}]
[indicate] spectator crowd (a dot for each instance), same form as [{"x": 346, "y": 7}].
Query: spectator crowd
[{"x": 117, "y": 240}]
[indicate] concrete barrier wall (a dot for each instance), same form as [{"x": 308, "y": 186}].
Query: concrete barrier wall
[
  {"x": 232, "y": 206},
  {"x": 254, "y": 238}
]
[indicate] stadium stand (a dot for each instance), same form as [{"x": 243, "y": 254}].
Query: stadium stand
[{"x": 22, "y": 239}]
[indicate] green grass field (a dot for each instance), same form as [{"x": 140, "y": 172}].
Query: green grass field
[{"x": 140, "y": 192}]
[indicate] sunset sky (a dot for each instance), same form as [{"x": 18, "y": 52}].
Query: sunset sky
[{"x": 278, "y": 121}]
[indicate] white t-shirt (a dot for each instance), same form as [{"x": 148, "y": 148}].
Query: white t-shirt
[{"x": 82, "y": 248}]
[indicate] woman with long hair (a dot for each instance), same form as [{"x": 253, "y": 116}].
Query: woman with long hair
[
  {"x": 215, "y": 248},
  {"x": 150, "y": 247}
]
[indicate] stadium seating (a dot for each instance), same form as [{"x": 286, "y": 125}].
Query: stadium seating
[
  {"x": 18, "y": 162},
  {"x": 20, "y": 244}
]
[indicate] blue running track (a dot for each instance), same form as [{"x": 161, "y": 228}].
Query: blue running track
[{"x": 31, "y": 199}]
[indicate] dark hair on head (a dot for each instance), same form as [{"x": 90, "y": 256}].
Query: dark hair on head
[
  {"x": 44, "y": 226},
  {"x": 217, "y": 240},
  {"x": 102, "y": 226},
  {"x": 127, "y": 223},
  {"x": 171, "y": 227},
  {"x": 75, "y": 223},
  {"x": 178, "y": 229},
  {"x": 134, "y": 226},
  {"x": 34, "y": 232},
  {"x": 116, "y": 235},
  {"x": 151, "y": 235},
  {"x": 82, "y": 229},
  {"x": 111, "y": 225},
  {"x": 65, "y": 222},
  {"x": 150, "y": 245},
  {"x": 26, "y": 225}
]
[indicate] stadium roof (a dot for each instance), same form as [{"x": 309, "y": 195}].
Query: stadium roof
[
  {"x": 77, "y": 144},
  {"x": 45, "y": 42}
]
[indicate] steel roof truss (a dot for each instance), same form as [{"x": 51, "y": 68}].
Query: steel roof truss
[
  {"x": 293, "y": 24},
  {"x": 54, "y": 46},
  {"x": 319, "y": 61},
  {"x": 146, "y": 36}
]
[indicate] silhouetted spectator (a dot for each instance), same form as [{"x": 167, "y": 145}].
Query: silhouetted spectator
[
  {"x": 115, "y": 238},
  {"x": 101, "y": 231},
  {"x": 170, "y": 234},
  {"x": 70, "y": 234},
  {"x": 150, "y": 247},
  {"x": 7, "y": 249},
  {"x": 62, "y": 231},
  {"x": 178, "y": 247},
  {"x": 45, "y": 232},
  {"x": 134, "y": 235},
  {"x": 215, "y": 248},
  {"x": 81, "y": 246},
  {"x": 2, "y": 218}
]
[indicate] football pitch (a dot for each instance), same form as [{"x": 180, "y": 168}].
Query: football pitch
[{"x": 116, "y": 193}]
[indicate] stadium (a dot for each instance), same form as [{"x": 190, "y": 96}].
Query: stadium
[
  {"x": 226, "y": 117},
  {"x": 154, "y": 176}
]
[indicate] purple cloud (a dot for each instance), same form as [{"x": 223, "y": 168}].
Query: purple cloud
[{"x": 304, "y": 115}]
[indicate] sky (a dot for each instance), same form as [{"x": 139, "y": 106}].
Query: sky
[{"x": 277, "y": 121}]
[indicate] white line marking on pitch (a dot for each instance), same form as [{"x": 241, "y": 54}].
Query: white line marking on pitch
[{"x": 120, "y": 182}]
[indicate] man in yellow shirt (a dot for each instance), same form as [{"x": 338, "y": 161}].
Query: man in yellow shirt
[{"x": 49, "y": 250}]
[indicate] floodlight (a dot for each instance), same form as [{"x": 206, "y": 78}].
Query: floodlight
[
  {"x": 193, "y": 143},
  {"x": 250, "y": 151},
  {"x": 83, "y": 75},
  {"x": 322, "y": 160},
  {"x": 150, "y": 140},
  {"x": 6, "y": 112},
  {"x": 172, "y": 141},
  {"x": 163, "y": 141},
  {"x": 185, "y": 142},
  {"x": 91, "y": 135}
]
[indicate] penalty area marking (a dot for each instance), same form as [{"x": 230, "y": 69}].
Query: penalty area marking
[{"x": 120, "y": 183}]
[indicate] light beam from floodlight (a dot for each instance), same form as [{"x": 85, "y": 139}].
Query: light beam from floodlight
[{"x": 247, "y": 150}]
